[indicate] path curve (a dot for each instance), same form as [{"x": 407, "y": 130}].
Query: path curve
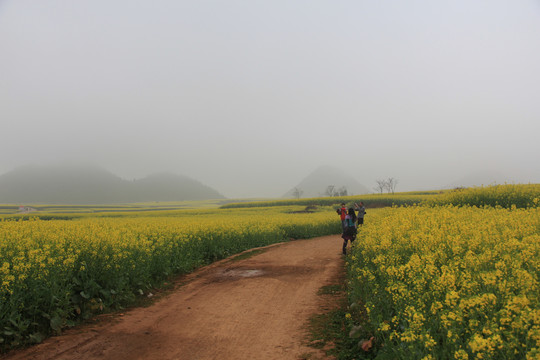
[{"x": 256, "y": 308}]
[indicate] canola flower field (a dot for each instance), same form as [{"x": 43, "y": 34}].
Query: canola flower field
[
  {"x": 448, "y": 275},
  {"x": 55, "y": 273},
  {"x": 506, "y": 196},
  {"x": 447, "y": 282}
]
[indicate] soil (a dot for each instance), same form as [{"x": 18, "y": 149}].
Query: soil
[{"x": 246, "y": 308}]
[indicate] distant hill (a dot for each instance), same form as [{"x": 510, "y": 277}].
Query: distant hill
[
  {"x": 316, "y": 183},
  {"x": 92, "y": 185},
  {"x": 170, "y": 187}
]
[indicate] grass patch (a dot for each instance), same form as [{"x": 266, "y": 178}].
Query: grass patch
[
  {"x": 334, "y": 289},
  {"x": 330, "y": 330}
]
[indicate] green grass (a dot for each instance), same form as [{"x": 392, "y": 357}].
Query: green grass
[{"x": 330, "y": 329}]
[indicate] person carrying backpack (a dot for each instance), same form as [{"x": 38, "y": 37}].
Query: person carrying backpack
[
  {"x": 349, "y": 229},
  {"x": 342, "y": 212}
]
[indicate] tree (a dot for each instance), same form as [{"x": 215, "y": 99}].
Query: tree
[
  {"x": 330, "y": 190},
  {"x": 381, "y": 186},
  {"x": 297, "y": 192},
  {"x": 391, "y": 184},
  {"x": 342, "y": 191}
]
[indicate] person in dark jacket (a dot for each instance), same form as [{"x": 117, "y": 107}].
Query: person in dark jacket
[{"x": 349, "y": 230}]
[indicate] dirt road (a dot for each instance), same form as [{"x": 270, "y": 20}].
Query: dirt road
[{"x": 255, "y": 308}]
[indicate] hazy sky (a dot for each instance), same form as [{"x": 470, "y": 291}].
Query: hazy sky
[{"x": 251, "y": 96}]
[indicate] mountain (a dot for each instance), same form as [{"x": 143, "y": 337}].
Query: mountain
[
  {"x": 316, "y": 183},
  {"x": 168, "y": 186},
  {"x": 92, "y": 185}
]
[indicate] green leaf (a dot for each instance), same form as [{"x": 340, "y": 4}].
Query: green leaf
[
  {"x": 56, "y": 323},
  {"x": 76, "y": 299},
  {"x": 84, "y": 295},
  {"x": 355, "y": 332},
  {"x": 37, "y": 337},
  {"x": 71, "y": 323}
]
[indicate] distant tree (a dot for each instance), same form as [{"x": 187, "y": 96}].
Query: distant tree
[
  {"x": 381, "y": 186},
  {"x": 297, "y": 192},
  {"x": 342, "y": 191},
  {"x": 330, "y": 190},
  {"x": 391, "y": 184}
]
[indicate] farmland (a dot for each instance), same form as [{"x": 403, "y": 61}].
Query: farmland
[
  {"x": 57, "y": 272},
  {"x": 437, "y": 275},
  {"x": 449, "y": 283}
]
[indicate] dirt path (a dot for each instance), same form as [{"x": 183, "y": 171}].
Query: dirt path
[{"x": 256, "y": 308}]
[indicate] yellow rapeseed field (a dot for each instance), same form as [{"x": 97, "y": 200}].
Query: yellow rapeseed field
[
  {"x": 448, "y": 282},
  {"x": 445, "y": 280},
  {"x": 52, "y": 273},
  {"x": 507, "y": 195}
]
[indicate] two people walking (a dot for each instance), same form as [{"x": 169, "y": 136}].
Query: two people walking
[{"x": 350, "y": 222}]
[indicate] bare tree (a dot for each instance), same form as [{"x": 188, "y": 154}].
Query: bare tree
[
  {"x": 381, "y": 186},
  {"x": 297, "y": 192},
  {"x": 342, "y": 191},
  {"x": 330, "y": 190},
  {"x": 391, "y": 184}
]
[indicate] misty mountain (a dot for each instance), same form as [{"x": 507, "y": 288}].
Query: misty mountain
[
  {"x": 92, "y": 185},
  {"x": 316, "y": 183},
  {"x": 170, "y": 187}
]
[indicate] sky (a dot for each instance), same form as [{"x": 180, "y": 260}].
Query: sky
[{"x": 249, "y": 97}]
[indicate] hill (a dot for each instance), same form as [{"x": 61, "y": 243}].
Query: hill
[
  {"x": 317, "y": 183},
  {"x": 92, "y": 185},
  {"x": 168, "y": 186}
]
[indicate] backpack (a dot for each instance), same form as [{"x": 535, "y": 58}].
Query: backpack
[{"x": 350, "y": 229}]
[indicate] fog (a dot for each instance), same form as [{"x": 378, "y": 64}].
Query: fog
[{"x": 249, "y": 97}]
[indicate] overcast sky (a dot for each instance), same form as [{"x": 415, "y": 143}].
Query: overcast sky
[{"x": 251, "y": 96}]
